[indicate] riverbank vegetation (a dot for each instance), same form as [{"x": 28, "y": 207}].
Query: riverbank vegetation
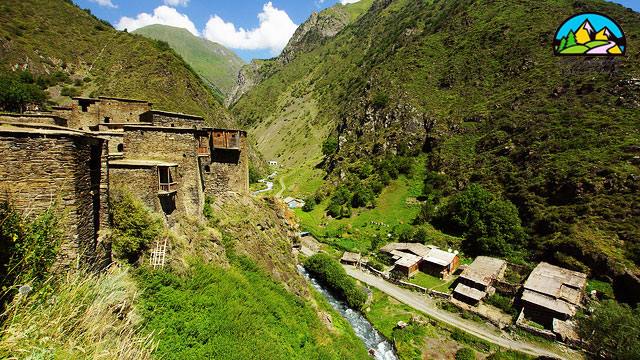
[{"x": 328, "y": 271}]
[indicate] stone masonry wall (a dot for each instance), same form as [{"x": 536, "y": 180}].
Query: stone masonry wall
[
  {"x": 228, "y": 171},
  {"x": 142, "y": 182},
  {"x": 122, "y": 111},
  {"x": 37, "y": 171},
  {"x": 175, "y": 146},
  {"x": 168, "y": 120}
]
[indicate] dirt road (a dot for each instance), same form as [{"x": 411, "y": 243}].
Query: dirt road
[{"x": 428, "y": 306}]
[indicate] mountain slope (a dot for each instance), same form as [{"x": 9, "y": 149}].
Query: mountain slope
[
  {"x": 217, "y": 65},
  {"x": 94, "y": 59},
  {"x": 474, "y": 86}
]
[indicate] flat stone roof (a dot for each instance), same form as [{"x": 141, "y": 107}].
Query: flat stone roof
[
  {"x": 350, "y": 257},
  {"x": 409, "y": 260},
  {"x": 141, "y": 163},
  {"x": 176, "y": 114},
  {"x": 549, "y": 302},
  {"x": 469, "y": 292},
  {"x": 483, "y": 270},
  {"x": 557, "y": 282},
  {"x": 43, "y": 129},
  {"x": 414, "y": 248},
  {"x": 123, "y": 99}
]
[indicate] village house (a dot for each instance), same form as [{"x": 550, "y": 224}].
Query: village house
[
  {"x": 413, "y": 257},
  {"x": 294, "y": 203},
  {"x": 79, "y": 153},
  {"x": 349, "y": 258},
  {"x": 552, "y": 293},
  {"x": 476, "y": 281}
]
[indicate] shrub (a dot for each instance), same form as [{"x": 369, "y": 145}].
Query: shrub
[
  {"x": 134, "y": 226},
  {"x": 502, "y": 302},
  {"x": 254, "y": 174},
  {"x": 28, "y": 247},
  {"x": 380, "y": 100},
  {"x": 331, "y": 273},
  {"x": 69, "y": 91},
  {"x": 17, "y": 93},
  {"x": 330, "y": 146},
  {"x": 465, "y": 354}
]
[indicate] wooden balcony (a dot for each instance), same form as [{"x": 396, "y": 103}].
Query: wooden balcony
[
  {"x": 168, "y": 188},
  {"x": 226, "y": 139}
]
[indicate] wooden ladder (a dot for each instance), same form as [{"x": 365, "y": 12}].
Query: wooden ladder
[{"x": 159, "y": 254}]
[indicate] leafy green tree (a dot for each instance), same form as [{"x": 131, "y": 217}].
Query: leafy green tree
[
  {"x": 489, "y": 225},
  {"x": 17, "y": 93},
  {"x": 309, "y": 204},
  {"x": 330, "y": 146},
  {"x": 612, "y": 331}
]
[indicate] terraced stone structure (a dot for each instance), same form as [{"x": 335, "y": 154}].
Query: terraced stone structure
[{"x": 79, "y": 153}]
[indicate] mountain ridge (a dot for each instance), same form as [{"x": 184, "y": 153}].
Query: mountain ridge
[{"x": 216, "y": 65}]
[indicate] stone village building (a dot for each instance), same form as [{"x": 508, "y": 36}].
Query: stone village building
[{"x": 74, "y": 155}]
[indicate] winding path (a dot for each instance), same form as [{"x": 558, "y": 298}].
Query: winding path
[
  {"x": 269, "y": 188},
  {"x": 428, "y": 306},
  {"x": 603, "y": 49},
  {"x": 283, "y": 187}
]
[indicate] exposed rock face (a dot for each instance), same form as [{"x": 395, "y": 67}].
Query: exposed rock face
[
  {"x": 249, "y": 76},
  {"x": 314, "y": 31},
  {"x": 311, "y": 34}
]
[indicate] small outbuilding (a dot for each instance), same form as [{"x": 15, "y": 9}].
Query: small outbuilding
[{"x": 407, "y": 265}]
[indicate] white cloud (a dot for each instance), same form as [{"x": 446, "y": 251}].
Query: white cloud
[
  {"x": 273, "y": 33},
  {"x": 344, "y": 2},
  {"x": 161, "y": 15},
  {"x": 175, "y": 3},
  {"x": 106, "y": 3}
]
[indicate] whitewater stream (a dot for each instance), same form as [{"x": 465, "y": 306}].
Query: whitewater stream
[{"x": 362, "y": 327}]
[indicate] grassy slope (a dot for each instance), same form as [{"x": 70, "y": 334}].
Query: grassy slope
[
  {"x": 551, "y": 134},
  {"x": 60, "y": 36},
  {"x": 216, "y": 64},
  {"x": 238, "y": 313}
]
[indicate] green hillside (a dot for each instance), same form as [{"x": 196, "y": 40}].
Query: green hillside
[
  {"x": 472, "y": 85},
  {"x": 77, "y": 54},
  {"x": 216, "y": 65}
]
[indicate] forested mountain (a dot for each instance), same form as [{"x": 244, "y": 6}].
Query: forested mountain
[
  {"x": 70, "y": 52},
  {"x": 216, "y": 65},
  {"x": 473, "y": 86}
]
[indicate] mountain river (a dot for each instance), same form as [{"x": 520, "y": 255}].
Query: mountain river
[{"x": 373, "y": 340}]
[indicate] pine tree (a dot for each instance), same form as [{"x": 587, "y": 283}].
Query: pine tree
[
  {"x": 571, "y": 39},
  {"x": 563, "y": 44}
]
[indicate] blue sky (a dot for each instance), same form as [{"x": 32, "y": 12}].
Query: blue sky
[{"x": 252, "y": 28}]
